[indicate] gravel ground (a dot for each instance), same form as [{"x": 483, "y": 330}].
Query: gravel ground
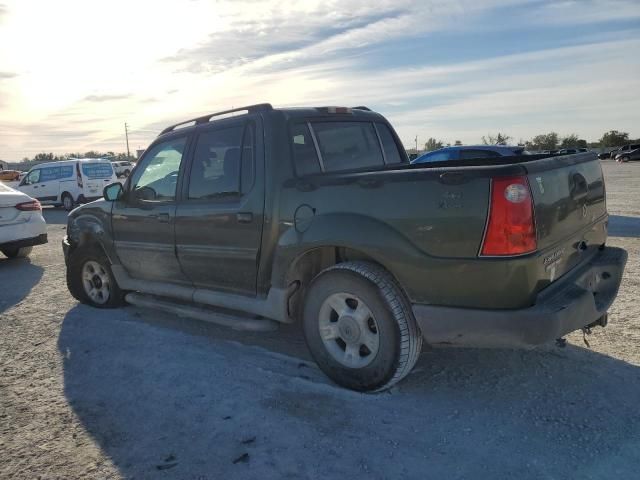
[{"x": 130, "y": 393}]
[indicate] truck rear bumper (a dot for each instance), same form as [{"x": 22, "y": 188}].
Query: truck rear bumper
[{"x": 576, "y": 300}]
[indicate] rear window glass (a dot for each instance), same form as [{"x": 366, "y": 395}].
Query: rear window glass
[
  {"x": 347, "y": 145},
  {"x": 468, "y": 154},
  {"x": 97, "y": 170},
  {"x": 391, "y": 153},
  {"x": 304, "y": 151}
]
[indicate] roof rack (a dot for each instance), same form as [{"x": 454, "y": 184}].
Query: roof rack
[
  {"x": 362, "y": 107},
  {"x": 260, "y": 107}
]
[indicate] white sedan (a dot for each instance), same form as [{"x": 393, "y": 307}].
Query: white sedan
[{"x": 21, "y": 223}]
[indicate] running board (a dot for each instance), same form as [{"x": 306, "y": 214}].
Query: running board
[{"x": 206, "y": 315}]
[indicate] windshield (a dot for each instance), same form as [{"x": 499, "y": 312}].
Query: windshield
[{"x": 97, "y": 170}]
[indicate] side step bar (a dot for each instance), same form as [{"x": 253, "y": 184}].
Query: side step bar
[{"x": 204, "y": 314}]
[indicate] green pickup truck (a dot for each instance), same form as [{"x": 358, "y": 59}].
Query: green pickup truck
[{"x": 316, "y": 214}]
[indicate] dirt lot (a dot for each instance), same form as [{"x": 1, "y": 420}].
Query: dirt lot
[{"x": 137, "y": 394}]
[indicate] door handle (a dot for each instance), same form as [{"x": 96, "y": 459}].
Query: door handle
[
  {"x": 244, "y": 217},
  {"x": 161, "y": 217}
]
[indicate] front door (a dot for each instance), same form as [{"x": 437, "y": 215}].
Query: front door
[
  {"x": 143, "y": 221},
  {"x": 219, "y": 218}
]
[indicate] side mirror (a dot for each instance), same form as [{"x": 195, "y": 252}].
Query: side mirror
[{"x": 112, "y": 192}]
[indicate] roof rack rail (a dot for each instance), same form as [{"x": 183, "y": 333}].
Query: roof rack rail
[
  {"x": 259, "y": 107},
  {"x": 361, "y": 107}
]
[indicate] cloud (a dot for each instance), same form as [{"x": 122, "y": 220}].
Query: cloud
[
  {"x": 106, "y": 98},
  {"x": 7, "y": 75}
]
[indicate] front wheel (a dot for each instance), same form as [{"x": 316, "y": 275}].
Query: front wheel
[
  {"x": 624, "y": 159},
  {"x": 17, "y": 252},
  {"x": 360, "y": 328},
  {"x": 91, "y": 281}
]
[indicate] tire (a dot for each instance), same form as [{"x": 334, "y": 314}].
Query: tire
[
  {"x": 67, "y": 201},
  {"x": 127, "y": 173},
  {"x": 100, "y": 292},
  {"x": 360, "y": 350},
  {"x": 21, "y": 252},
  {"x": 624, "y": 159}
]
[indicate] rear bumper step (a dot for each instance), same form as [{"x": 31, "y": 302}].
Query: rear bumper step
[{"x": 579, "y": 299}]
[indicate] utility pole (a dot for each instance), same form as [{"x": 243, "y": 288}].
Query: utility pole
[{"x": 126, "y": 134}]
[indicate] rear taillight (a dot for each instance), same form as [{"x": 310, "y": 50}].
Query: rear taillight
[
  {"x": 29, "y": 206},
  {"x": 511, "y": 229}
]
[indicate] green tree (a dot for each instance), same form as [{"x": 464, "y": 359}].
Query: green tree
[
  {"x": 569, "y": 141},
  {"x": 432, "y": 144},
  {"x": 614, "y": 138},
  {"x": 458, "y": 142},
  {"x": 498, "y": 139},
  {"x": 545, "y": 141}
]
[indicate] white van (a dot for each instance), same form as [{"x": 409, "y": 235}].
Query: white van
[{"x": 68, "y": 182}]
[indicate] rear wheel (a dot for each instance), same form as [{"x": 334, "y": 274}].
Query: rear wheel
[
  {"x": 17, "y": 252},
  {"x": 127, "y": 172},
  {"x": 91, "y": 281},
  {"x": 67, "y": 201},
  {"x": 360, "y": 328}
]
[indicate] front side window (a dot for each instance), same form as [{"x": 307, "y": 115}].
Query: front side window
[
  {"x": 216, "y": 164},
  {"x": 157, "y": 177},
  {"x": 347, "y": 145},
  {"x": 33, "y": 177},
  {"x": 66, "y": 171}
]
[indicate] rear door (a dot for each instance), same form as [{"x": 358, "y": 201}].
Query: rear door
[
  {"x": 95, "y": 176},
  {"x": 143, "y": 221},
  {"x": 220, "y": 216}
]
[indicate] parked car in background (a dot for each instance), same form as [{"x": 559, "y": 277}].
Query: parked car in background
[
  {"x": 571, "y": 151},
  {"x": 469, "y": 152},
  {"x": 68, "y": 182},
  {"x": 624, "y": 149},
  {"x": 9, "y": 175},
  {"x": 122, "y": 169},
  {"x": 21, "y": 223},
  {"x": 627, "y": 156},
  {"x": 315, "y": 215}
]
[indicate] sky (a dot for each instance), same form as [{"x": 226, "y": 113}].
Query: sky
[{"x": 72, "y": 72}]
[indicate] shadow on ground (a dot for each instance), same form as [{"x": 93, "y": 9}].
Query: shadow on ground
[
  {"x": 55, "y": 215},
  {"x": 164, "y": 402},
  {"x": 623, "y": 226},
  {"x": 17, "y": 277}
]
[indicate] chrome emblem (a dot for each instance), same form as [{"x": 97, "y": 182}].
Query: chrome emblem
[
  {"x": 584, "y": 210},
  {"x": 540, "y": 185}
]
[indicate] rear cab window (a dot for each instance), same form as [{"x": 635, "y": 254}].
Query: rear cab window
[{"x": 333, "y": 146}]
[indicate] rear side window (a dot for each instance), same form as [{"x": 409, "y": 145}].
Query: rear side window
[
  {"x": 468, "y": 154},
  {"x": 347, "y": 145},
  {"x": 97, "y": 170},
  {"x": 216, "y": 163},
  {"x": 391, "y": 153},
  {"x": 304, "y": 150}
]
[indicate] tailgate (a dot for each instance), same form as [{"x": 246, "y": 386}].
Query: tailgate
[{"x": 570, "y": 209}]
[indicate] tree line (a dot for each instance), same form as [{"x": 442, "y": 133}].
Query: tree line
[
  {"x": 50, "y": 157},
  {"x": 546, "y": 141}
]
